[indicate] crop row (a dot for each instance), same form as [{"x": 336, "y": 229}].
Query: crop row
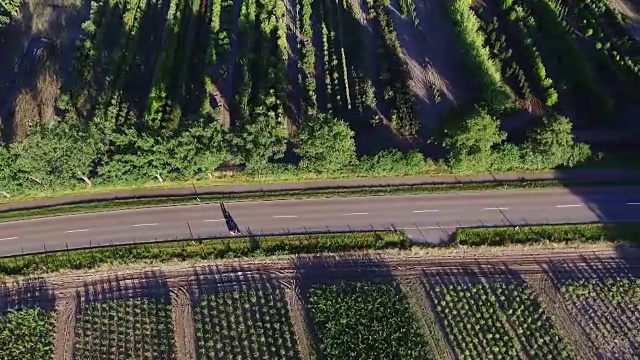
[
  {"x": 497, "y": 320},
  {"x": 609, "y": 312},
  {"x": 371, "y": 320},
  {"x": 245, "y": 324},
  {"x": 26, "y": 334},
  {"x": 131, "y": 329}
]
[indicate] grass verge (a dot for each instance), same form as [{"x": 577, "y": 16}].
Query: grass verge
[
  {"x": 87, "y": 207},
  {"x": 585, "y": 233},
  {"x": 200, "y": 250}
]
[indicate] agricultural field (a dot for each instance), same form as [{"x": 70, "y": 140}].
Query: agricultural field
[
  {"x": 497, "y": 320},
  {"x": 124, "y": 329},
  {"x": 26, "y": 334},
  {"x": 244, "y": 324},
  {"x": 139, "y": 91},
  {"x": 607, "y": 306},
  {"x": 552, "y": 303},
  {"x": 371, "y": 320}
]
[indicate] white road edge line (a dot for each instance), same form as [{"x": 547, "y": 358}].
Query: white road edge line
[
  {"x": 633, "y": 203},
  {"x": 356, "y": 214},
  {"x": 285, "y": 216},
  {"x": 154, "y": 224},
  {"x": 497, "y": 208},
  {"x": 566, "y": 206},
  {"x": 214, "y": 220},
  {"x": 424, "y": 211},
  {"x": 79, "y": 230},
  {"x": 10, "y": 238}
]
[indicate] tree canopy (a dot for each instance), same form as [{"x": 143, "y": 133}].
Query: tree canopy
[{"x": 325, "y": 144}]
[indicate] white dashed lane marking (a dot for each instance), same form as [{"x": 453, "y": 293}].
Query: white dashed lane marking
[
  {"x": 9, "y": 238},
  {"x": 497, "y": 208},
  {"x": 633, "y": 203},
  {"x": 154, "y": 224},
  {"x": 285, "y": 216},
  {"x": 567, "y": 206},
  {"x": 214, "y": 220},
  {"x": 360, "y": 213},
  {"x": 424, "y": 211},
  {"x": 75, "y": 231}
]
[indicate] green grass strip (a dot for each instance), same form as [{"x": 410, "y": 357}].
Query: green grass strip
[
  {"x": 293, "y": 194},
  {"x": 201, "y": 250},
  {"x": 520, "y": 235}
]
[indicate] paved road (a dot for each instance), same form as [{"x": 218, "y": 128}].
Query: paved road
[{"x": 424, "y": 217}]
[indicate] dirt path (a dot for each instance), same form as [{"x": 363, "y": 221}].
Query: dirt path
[
  {"x": 183, "y": 328},
  {"x": 301, "y": 328},
  {"x": 64, "y": 329},
  {"x": 293, "y": 87},
  {"x": 317, "y": 43},
  {"x": 554, "y": 306},
  {"x": 630, "y": 12},
  {"x": 424, "y": 309},
  {"x": 446, "y": 67}
]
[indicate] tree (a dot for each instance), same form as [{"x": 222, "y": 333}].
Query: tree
[
  {"x": 325, "y": 144},
  {"x": 55, "y": 154},
  {"x": 472, "y": 142},
  {"x": 262, "y": 138},
  {"x": 138, "y": 156},
  {"x": 551, "y": 144}
]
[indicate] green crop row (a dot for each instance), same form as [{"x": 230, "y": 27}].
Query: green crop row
[
  {"x": 127, "y": 329},
  {"x": 499, "y": 236},
  {"x": 365, "y": 321},
  {"x": 26, "y": 334},
  {"x": 225, "y": 330}
]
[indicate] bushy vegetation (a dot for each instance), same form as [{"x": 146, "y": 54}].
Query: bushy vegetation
[
  {"x": 226, "y": 330},
  {"x": 214, "y": 89},
  {"x": 26, "y": 334},
  {"x": 124, "y": 329},
  {"x": 499, "y": 236},
  {"x": 365, "y": 320},
  {"x": 477, "y": 320},
  {"x": 201, "y": 249}
]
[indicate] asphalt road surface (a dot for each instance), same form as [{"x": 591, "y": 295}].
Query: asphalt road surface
[{"x": 424, "y": 217}]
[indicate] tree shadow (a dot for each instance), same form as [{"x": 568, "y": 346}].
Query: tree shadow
[{"x": 26, "y": 293}]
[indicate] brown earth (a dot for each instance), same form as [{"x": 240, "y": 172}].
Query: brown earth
[
  {"x": 301, "y": 326},
  {"x": 182, "y": 316},
  {"x": 554, "y": 306},
  {"x": 64, "y": 329}
]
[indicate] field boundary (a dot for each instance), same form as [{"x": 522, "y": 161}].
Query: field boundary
[{"x": 310, "y": 243}]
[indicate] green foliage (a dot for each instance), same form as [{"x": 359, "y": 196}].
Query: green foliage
[
  {"x": 259, "y": 140},
  {"x": 9, "y": 10},
  {"x": 26, "y": 334},
  {"x": 201, "y": 249},
  {"x": 475, "y": 319},
  {"x": 124, "y": 329},
  {"x": 325, "y": 144},
  {"x": 499, "y": 236},
  {"x": 395, "y": 163},
  {"x": 551, "y": 144},
  {"x": 471, "y": 143},
  {"x": 196, "y": 150},
  {"x": 365, "y": 321},
  {"x": 247, "y": 323},
  {"x": 52, "y": 156},
  {"x": 494, "y": 94}
]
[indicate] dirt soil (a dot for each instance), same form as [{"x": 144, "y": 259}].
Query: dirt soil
[
  {"x": 64, "y": 330},
  {"x": 182, "y": 316},
  {"x": 173, "y": 278}
]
